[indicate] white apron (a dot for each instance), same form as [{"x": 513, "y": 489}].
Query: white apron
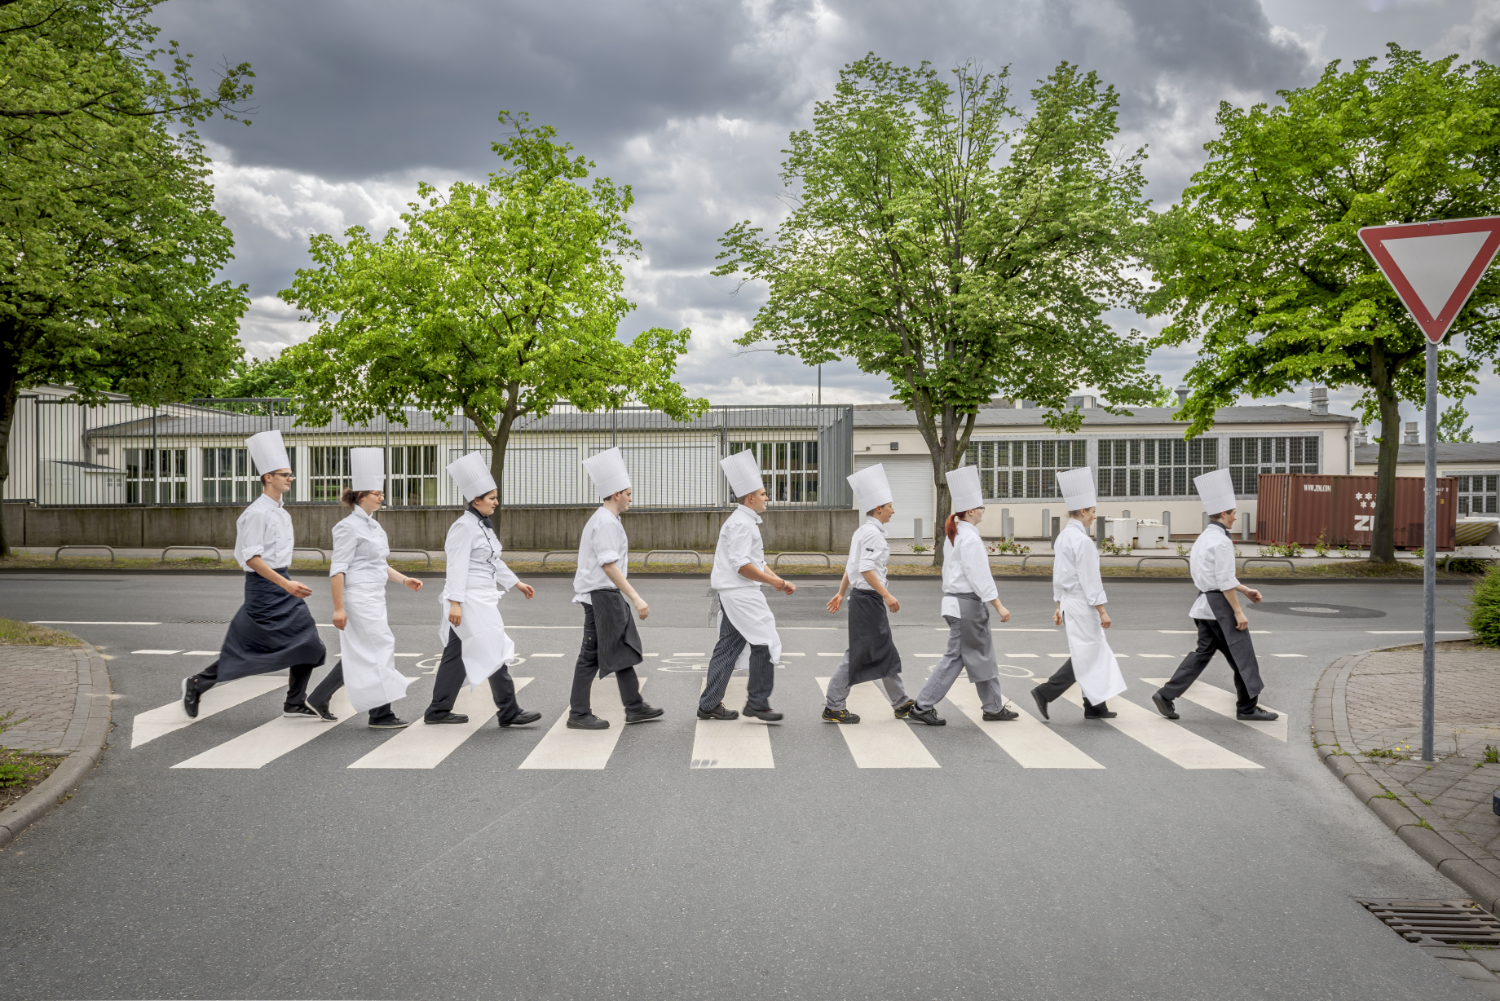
[
  {"x": 751, "y": 615},
  {"x": 482, "y": 631},
  {"x": 1094, "y": 663},
  {"x": 368, "y": 649}
]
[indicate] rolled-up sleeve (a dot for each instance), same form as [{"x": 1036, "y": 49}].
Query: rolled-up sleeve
[
  {"x": 611, "y": 543},
  {"x": 252, "y": 536},
  {"x": 869, "y": 551},
  {"x": 737, "y": 541},
  {"x": 456, "y": 547},
  {"x": 344, "y": 542},
  {"x": 1223, "y": 566}
]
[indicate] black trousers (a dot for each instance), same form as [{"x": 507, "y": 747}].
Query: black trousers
[
  {"x": 1051, "y": 690},
  {"x": 587, "y": 669},
  {"x": 296, "y": 689},
  {"x": 450, "y": 678},
  {"x": 333, "y": 683},
  {"x": 1210, "y": 641},
  {"x": 721, "y": 666}
]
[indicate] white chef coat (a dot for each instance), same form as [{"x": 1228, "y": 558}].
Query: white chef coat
[
  {"x": 360, "y": 548},
  {"x": 739, "y": 543},
  {"x": 1212, "y": 565},
  {"x": 474, "y": 560},
  {"x": 966, "y": 569},
  {"x": 603, "y": 541},
  {"x": 868, "y": 551},
  {"x": 1075, "y": 566},
  {"x": 1077, "y": 587},
  {"x": 477, "y": 578},
  {"x": 366, "y": 643},
  {"x": 264, "y": 529}
]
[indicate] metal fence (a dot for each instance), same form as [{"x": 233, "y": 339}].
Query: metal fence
[{"x": 62, "y": 454}]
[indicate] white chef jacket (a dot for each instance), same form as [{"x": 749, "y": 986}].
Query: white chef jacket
[
  {"x": 739, "y": 543},
  {"x": 1212, "y": 565},
  {"x": 1075, "y": 566},
  {"x": 603, "y": 541},
  {"x": 264, "y": 529},
  {"x": 966, "y": 568},
  {"x": 474, "y": 559},
  {"x": 868, "y": 550},
  {"x": 360, "y": 548}
]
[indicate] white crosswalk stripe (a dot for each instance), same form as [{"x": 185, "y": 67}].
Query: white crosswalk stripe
[
  {"x": 879, "y": 739},
  {"x": 1175, "y": 743},
  {"x": 425, "y": 746},
  {"x": 270, "y": 741},
  {"x": 1222, "y": 701},
  {"x": 1028, "y": 740},
  {"x": 153, "y": 723},
  {"x": 562, "y": 748},
  {"x": 736, "y": 743}
]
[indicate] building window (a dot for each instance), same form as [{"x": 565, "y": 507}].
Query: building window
[
  {"x": 229, "y": 476},
  {"x": 413, "y": 475},
  {"x": 1249, "y": 457},
  {"x": 1024, "y": 469},
  {"x": 329, "y": 476},
  {"x": 1476, "y": 495},
  {"x": 151, "y": 475},
  {"x": 1154, "y": 467},
  {"x": 788, "y": 468}
]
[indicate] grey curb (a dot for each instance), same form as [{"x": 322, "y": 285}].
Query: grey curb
[
  {"x": 91, "y": 727},
  {"x": 1335, "y": 745}
]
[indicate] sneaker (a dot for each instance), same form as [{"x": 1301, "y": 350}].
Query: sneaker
[
  {"x": 927, "y": 716},
  {"x": 838, "y": 716},
  {"x": 589, "y": 722},
  {"x": 1001, "y": 716},
  {"x": 717, "y": 712},
  {"x": 521, "y": 718},
  {"x": 1165, "y": 706},
  {"x": 1041, "y": 704},
  {"x": 323, "y": 713},
  {"x": 644, "y": 714},
  {"x": 299, "y": 712},
  {"x": 392, "y": 723},
  {"x": 905, "y": 708},
  {"x": 1264, "y": 715},
  {"x": 768, "y": 714},
  {"x": 190, "y": 696},
  {"x": 446, "y": 718}
]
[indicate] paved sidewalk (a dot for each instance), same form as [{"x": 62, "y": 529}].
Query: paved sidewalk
[{"x": 51, "y": 689}]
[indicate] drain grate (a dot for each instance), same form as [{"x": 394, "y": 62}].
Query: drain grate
[{"x": 1437, "y": 922}]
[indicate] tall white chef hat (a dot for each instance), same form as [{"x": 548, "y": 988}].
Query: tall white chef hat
[
  {"x": 743, "y": 472},
  {"x": 607, "y": 470},
  {"x": 1078, "y": 488},
  {"x": 367, "y": 468},
  {"x": 871, "y": 488},
  {"x": 471, "y": 475},
  {"x": 267, "y": 452},
  {"x": 1215, "y": 490},
  {"x": 963, "y": 487}
]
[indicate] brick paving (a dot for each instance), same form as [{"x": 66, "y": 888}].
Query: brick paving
[{"x": 50, "y": 689}]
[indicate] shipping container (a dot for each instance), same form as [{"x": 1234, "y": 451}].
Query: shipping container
[{"x": 1301, "y": 508}]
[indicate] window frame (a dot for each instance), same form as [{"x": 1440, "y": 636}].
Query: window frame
[{"x": 1040, "y": 487}]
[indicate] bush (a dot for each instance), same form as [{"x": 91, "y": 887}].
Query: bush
[{"x": 1484, "y": 608}]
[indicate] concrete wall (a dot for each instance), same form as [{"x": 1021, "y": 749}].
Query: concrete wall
[{"x": 813, "y": 530}]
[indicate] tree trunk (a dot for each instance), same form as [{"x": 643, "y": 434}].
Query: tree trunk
[
  {"x": 946, "y": 445},
  {"x": 1383, "y": 534},
  {"x": 10, "y": 390}
]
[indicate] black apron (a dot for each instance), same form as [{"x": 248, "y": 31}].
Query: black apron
[
  {"x": 272, "y": 631},
  {"x": 1241, "y": 650},
  {"x": 619, "y": 643},
  {"x": 872, "y": 649},
  {"x": 976, "y": 648}
]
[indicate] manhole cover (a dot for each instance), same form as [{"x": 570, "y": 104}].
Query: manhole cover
[
  {"x": 1314, "y": 610},
  {"x": 1319, "y": 611},
  {"x": 1435, "y": 923}
]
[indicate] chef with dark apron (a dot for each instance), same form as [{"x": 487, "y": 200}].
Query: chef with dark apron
[
  {"x": 871, "y": 654},
  {"x": 968, "y": 594},
  {"x": 273, "y": 630},
  {"x": 1222, "y": 625}
]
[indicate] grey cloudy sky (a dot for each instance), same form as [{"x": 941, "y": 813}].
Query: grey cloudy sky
[{"x": 691, "y": 102}]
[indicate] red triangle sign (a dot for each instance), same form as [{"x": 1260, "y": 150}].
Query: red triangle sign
[{"x": 1434, "y": 266}]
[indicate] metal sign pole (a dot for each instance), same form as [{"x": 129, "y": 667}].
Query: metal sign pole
[{"x": 1429, "y": 557}]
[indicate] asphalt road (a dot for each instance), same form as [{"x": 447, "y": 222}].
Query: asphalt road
[{"x": 815, "y": 878}]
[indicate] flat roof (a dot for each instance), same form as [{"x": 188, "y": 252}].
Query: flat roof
[
  {"x": 1447, "y": 451},
  {"x": 881, "y": 415}
]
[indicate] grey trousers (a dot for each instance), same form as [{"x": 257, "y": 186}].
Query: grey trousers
[
  {"x": 721, "y": 666},
  {"x": 838, "y": 686},
  {"x": 946, "y": 673}
]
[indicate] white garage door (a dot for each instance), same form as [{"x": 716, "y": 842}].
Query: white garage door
[{"x": 910, "y": 477}]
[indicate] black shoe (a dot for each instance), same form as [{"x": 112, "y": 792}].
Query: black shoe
[
  {"x": 1165, "y": 706},
  {"x": 838, "y": 716},
  {"x": 902, "y": 709},
  {"x": 1001, "y": 716},
  {"x": 928, "y": 716},
  {"x": 446, "y": 718},
  {"x": 644, "y": 714},
  {"x": 519, "y": 719},
  {"x": 1041, "y": 704},
  {"x": 589, "y": 722},
  {"x": 391, "y": 723},
  {"x": 1101, "y": 711},
  {"x": 1259, "y": 713},
  {"x": 323, "y": 713},
  {"x": 299, "y": 712},
  {"x": 769, "y": 715},
  {"x": 717, "y": 712},
  {"x": 190, "y": 696}
]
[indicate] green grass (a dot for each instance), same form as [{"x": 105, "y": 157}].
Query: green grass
[{"x": 13, "y": 633}]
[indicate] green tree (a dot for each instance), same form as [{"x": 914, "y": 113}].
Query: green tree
[
  {"x": 1453, "y": 424},
  {"x": 109, "y": 244},
  {"x": 258, "y": 377},
  {"x": 1262, "y": 262},
  {"x": 944, "y": 240},
  {"x": 497, "y": 301}
]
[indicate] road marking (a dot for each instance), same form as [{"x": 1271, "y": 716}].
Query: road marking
[
  {"x": 786, "y": 654},
  {"x": 1400, "y": 632},
  {"x": 1179, "y": 632},
  {"x": 839, "y": 654},
  {"x": 153, "y": 723},
  {"x": 1014, "y": 629},
  {"x": 1222, "y": 701},
  {"x": 582, "y": 749},
  {"x": 1161, "y": 656},
  {"x": 425, "y": 746},
  {"x": 546, "y": 655},
  {"x": 1177, "y": 744},
  {"x": 879, "y": 739},
  {"x": 736, "y": 743},
  {"x": 411, "y": 655},
  {"x": 1064, "y": 656},
  {"x": 271, "y": 740},
  {"x": 71, "y": 622},
  {"x": 1117, "y": 656},
  {"x": 690, "y": 655},
  {"x": 158, "y": 652},
  {"x": 1028, "y": 740},
  {"x": 1031, "y": 655},
  {"x": 205, "y": 653},
  {"x": 929, "y": 655},
  {"x": 1288, "y": 655}
]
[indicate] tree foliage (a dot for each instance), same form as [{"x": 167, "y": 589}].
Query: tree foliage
[
  {"x": 1453, "y": 424},
  {"x": 258, "y": 377},
  {"x": 1262, "y": 262},
  {"x": 497, "y": 301},
  {"x": 960, "y": 248}
]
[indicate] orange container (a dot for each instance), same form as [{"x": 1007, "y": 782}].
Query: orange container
[{"x": 1300, "y": 507}]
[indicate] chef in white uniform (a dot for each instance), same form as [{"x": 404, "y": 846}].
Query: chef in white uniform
[
  {"x": 471, "y": 631},
  {"x": 1079, "y": 593},
  {"x": 745, "y": 619},
  {"x": 1222, "y": 625},
  {"x": 359, "y": 573}
]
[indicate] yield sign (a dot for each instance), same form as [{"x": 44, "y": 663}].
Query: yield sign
[{"x": 1434, "y": 266}]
